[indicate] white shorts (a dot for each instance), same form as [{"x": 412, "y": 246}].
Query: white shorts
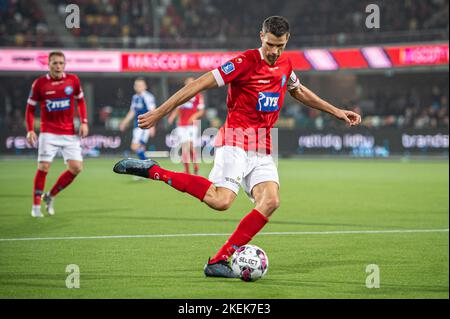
[
  {"x": 234, "y": 167},
  {"x": 140, "y": 136},
  {"x": 186, "y": 133},
  {"x": 50, "y": 144}
]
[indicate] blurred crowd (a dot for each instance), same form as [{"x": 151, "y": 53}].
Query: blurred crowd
[
  {"x": 227, "y": 24},
  {"x": 424, "y": 110},
  {"x": 23, "y": 24}
]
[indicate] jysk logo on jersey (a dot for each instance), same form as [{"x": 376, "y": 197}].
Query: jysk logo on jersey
[
  {"x": 228, "y": 67},
  {"x": 268, "y": 102},
  {"x": 57, "y": 104},
  {"x": 68, "y": 90}
]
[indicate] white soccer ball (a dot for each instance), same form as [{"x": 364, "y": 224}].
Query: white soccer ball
[{"x": 250, "y": 262}]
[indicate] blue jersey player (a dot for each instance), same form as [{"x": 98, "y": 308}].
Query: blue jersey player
[{"x": 142, "y": 102}]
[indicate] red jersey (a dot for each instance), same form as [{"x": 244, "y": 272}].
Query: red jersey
[
  {"x": 56, "y": 99},
  {"x": 189, "y": 108},
  {"x": 255, "y": 96}
]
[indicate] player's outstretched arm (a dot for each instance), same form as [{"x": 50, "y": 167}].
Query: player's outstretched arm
[
  {"x": 206, "y": 81},
  {"x": 309, "y": 98}
]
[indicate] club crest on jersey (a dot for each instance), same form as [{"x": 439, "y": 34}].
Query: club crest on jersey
[
  {"x": 228, "y": 67},
  {"x": 68, "y": 90},
  {"x": 57, "y": 104},
  {"x": 267, "y": 102}
]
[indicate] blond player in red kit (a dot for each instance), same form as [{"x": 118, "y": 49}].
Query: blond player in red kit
[{"x": 55, "y": 94}]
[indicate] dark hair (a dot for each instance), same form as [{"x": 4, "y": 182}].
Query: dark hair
[
  {"x": 56, "y": 53},
  {"x": 276, "y": 25}
]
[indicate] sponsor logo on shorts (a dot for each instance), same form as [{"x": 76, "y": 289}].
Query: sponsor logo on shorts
[
  {"x": 228, "y": 67},
  {"x": 267, "y": 102},
  {"x": 57, "y": 104},
  {"x": 232, "y": 180}
]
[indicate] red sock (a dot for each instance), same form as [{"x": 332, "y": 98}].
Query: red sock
[
  {"x": 249, "y": 226},
  {"x": 39, "y": 184},
  {"x": 197, "y": 186},
  {"x": 63, "y": 181},
  {"x": 186, "y": 168}
]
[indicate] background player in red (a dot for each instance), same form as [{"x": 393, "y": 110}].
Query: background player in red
[
  {"x": 55, "y": 94},
  {"x": 187, "y": 130},
  {"x": 258, "y": 80}
]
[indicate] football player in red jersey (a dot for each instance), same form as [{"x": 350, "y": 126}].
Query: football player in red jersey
[
  {"x": 257, "y": 82},
  {"x": 55, "y": 94},
  {"x": 187, "y": 129}
]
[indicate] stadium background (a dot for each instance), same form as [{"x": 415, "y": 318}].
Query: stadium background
[{"x": 395, "y": 76}]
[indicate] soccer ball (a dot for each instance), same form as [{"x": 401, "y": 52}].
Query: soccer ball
[{"x": 250, "y": 263}]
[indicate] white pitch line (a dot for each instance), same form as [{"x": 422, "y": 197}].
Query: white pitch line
[{"x": 338, "y": 232}]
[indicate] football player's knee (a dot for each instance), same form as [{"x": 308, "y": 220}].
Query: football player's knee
[
  {"x": 75, "y": 170},
  {"x": 223, "y": 205},
  {"x": 44, "y": 167},
  {"x": 272, "y": 204}
]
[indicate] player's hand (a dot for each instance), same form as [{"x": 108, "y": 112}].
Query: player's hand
[
  {"x": 84, "y": 130},
  {"x": 32, "y": 138},
  {"x": 350, "y": 117},
  {"x": 148, "y": 119}
]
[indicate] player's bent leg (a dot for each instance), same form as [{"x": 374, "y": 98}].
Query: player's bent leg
[
  {"x": 196, "y": 186},
  {"x": 65, "y": 179},
  {"x": 75, "y": 167},
  {"x": 266, "y": 197}
]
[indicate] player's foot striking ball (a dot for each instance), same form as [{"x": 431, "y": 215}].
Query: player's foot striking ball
[
  {"x": 219, "y": 269},
  {"x": 258, "y": 81}
]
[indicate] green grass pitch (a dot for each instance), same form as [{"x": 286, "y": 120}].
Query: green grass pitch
[{"x": 320, "y": 201}]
